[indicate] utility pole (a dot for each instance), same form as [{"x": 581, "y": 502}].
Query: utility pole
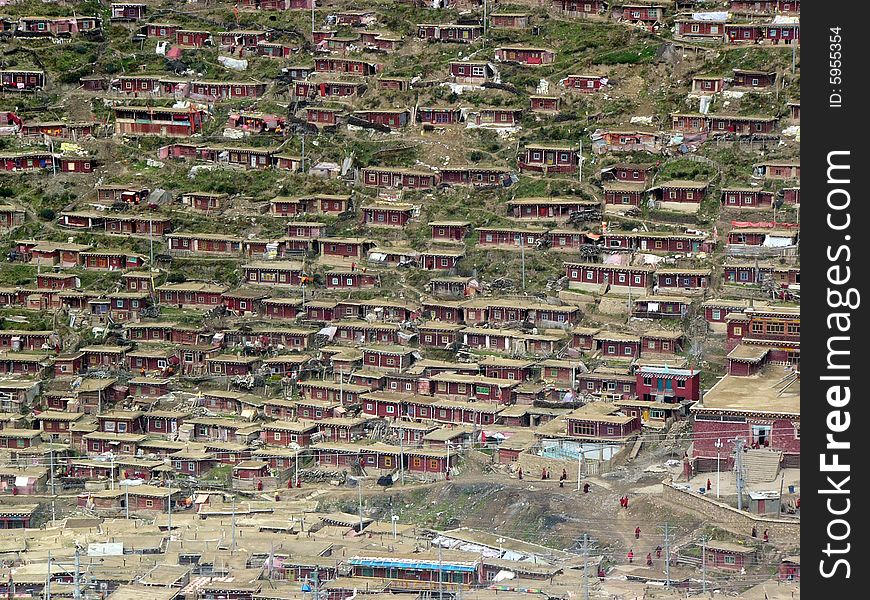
[
  {"x": 169, "y": 505},
  {"x": 580, "y": 458},
  {"x": 112, "y": 471},
  {"x": 77, "y": 591},
  {"x": 704, "y": 564},
  {"x": 667, "y": 556},
  {"x": 52, "y": 473},
  {"x": 48, "y": 579},
  {"x": 585, "y": 566},
  {"x": 296, "y": 464},
  {"x": 718, "y": 445},
  {"x": 402, "y": 457},
  {"x": 359, "y": 502},
  {"x": 738, "y": 467},
  {"x": 394, "y": 519},
  {"x": 127, "y": 497},
  {"x": 447, "y": 467},
  {"x": 233, "y": 534},
  {"x": 523, "y": 257},
  {"x": 580, "y": 179},
  {"x": 484, "y": 21},
  {"x": 793, "y": 55},
  {"x": 440, "y": 575}
]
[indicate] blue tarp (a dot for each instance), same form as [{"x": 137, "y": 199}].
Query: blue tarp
[{"x": 412, "y": 564}]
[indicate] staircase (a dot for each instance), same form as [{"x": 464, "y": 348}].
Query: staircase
[{"x": 761, "y": 466}]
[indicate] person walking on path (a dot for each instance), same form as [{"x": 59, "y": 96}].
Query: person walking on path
[
  {"x": 520, "y": 473},
  {"x": 709, "y": 485},
  {"x": 630, "y": 556},
  {"x": 754, "y": 532},
  {"x": 585, "y": 488},
  {"x": 649, "y": 559},
  {"x": 658, "y": 551},
  {"x": 637, "y": 533}
]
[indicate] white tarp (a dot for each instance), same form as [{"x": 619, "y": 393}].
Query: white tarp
[
  {"x": 772, "y": 241},
  {"x": 106, "y": 549},
  {"x": 236, "y": 64},
  {"x": 710, "y": 16}
]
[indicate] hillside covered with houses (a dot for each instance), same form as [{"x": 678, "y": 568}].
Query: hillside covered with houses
[{"x": 327, "y": 299}]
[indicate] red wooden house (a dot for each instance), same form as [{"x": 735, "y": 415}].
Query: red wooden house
[
  {"x": 495, "y": 117},
  {"x": 288, "y": 433},
  {"x": 273, "y": 273},
  {"x": 648, "y": 14},
  {"x": 613, "y": 275},
  {"x": 474, "y": 175},
  {"x": 242, "y": 39},
  {"x": 741, "y": 125},
  {"x": 161, "y": 30},
  {"x": 165, "y": 122},
  {"x": 751, "y": 78},
  {"x": 629, "y": 173},
  {"x": 447, "y": 32},
  {"x": 512, "y": 239},
  {"x": 398, "y": 177},
  {"x": 385, "y": 214},
  {"x": 128, "y": 12},
  {"x": 206, "y": 244},
  {"x": 666, "y": 384},
  {"x": 434, "y": 258},
  {"x": 681, "y": 191},
  {"x": 673, "y": 279},
  {"x": 21, "y": 80},
  {"x": 661, "y": 306},
  {"x": 110, "y": 260},
  {"x": 728, "y": 556},
  {"x": 601, "y": 421},
  {"x": 471, "y": 72},
  {"x": 547, "y": 158},
  {"x": 771, "y": 420},
  {"x": 359, "y": 332},
  {"x": 525, "y": 55},
  {"x": 789, "y": 569},
  {"x": 346, "y": 66},
  {"x": 224, "y": 90},
  {"x": 554, "y": 208},
  {"x": 690, "y": 122},
  {"x": 708, "y": 84},
  {"x": 505, "y": 20},
  {"x": 746, "y": 198},
  {"x": 777, "y": 169},
  {"x": 387, "y": 358},
  {"x": 700, "y": 29},
  {"x": 382, "y": 42},
  {"x": 449, "y": 231},
  {"x": 584, "y": 83},
  {"x": 57, "y": 26},
  {"x": 791, "y": 195},
  {"x": 191, "y": 294},
  {"x": 544, "y": 104},
  {"x": 617, "y": 345},
  {"x": 394, "y": 118},
  {"x": 327, "y": 89},
  {"x": 580, "y": 8},
  {"x": 350, "y": 279},
  {"x": 438, "y": 115},
  {"x": 622, "y": 193},
  {"x": 764, "y": 7},
  {"x": 193, "y": 38}
]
